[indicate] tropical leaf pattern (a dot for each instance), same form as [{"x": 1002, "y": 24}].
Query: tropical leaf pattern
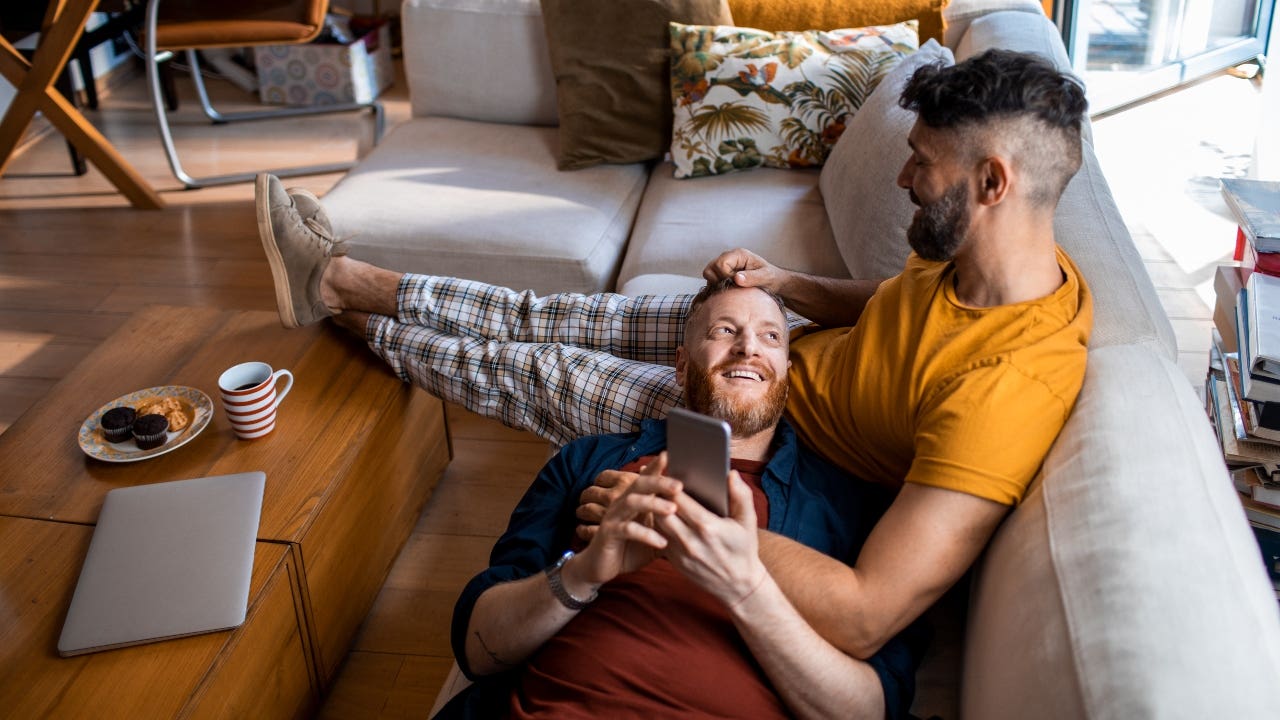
[{"x": 746, "y": 98}]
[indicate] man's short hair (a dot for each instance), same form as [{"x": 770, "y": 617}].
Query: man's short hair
[
  {"x": 1016, "y": 101},
  {"x": 713, "y": 289}
]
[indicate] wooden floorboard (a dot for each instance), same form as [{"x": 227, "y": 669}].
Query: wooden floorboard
[
  {"x": 19, "y": 393},
  {"x": 382, "y": 686}
]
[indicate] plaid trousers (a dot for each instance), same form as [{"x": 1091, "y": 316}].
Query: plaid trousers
[{"x": 561, "y": 366}]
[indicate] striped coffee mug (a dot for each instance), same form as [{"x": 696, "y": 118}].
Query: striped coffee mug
[{"x": 251, "y": 392}]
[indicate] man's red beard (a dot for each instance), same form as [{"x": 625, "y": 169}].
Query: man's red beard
[{"x": 745, "y": 417}]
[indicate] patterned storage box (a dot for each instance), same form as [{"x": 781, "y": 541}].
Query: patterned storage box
[{"x": 316, "y": 74}]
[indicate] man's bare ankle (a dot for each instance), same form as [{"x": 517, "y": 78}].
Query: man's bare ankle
[
  {"x": 353, "y": 321},
  {"x": 331, "y": 282}
]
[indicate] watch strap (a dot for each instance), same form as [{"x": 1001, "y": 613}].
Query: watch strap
[{"x": 558, "y": 589}]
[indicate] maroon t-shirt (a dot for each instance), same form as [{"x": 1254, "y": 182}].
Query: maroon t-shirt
[{"x": 652, "y": 645}]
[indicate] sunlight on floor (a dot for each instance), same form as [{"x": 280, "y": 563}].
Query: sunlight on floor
[
  {"x": 1163, "y": 160},
  {"x": 17, "y": 282},
  {"x": 19, "y": 348}
]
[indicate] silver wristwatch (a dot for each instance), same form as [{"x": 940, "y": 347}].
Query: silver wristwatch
[{"x": 557, "y": 587}]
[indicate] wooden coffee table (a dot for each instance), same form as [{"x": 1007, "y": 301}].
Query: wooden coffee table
[
  {"x": 353, "y": 459},
  {"x": 200, "y": 676}
]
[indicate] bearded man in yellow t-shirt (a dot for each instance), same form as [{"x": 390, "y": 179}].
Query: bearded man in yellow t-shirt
[
  {"x": 948, "y": 382},
  {"x": 952, "y": 379}
]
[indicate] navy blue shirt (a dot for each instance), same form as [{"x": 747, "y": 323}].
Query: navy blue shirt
[{"x": 810, "y": 500}]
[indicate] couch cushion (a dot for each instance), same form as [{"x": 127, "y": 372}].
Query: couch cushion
[
  {"x": 829, "y": 14},
  {"x": 869, "y": 213},
  {"x": 683, "y": 224},
  {"x": 612, "y": 74},
  {"x": 484, "y": 201},
  {"x": 478, "y": 60},
  {"x": 746, "y": 98},
  {"x": 1127, "y": 584}
]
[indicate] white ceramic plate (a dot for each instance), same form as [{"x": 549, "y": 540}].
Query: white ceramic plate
[{"x": 96, "y": 446}]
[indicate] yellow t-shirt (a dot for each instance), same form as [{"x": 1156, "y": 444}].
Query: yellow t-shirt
[{"x": 926, "y": 390}]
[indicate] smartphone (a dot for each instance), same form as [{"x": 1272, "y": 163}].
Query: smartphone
[{"x": 698, "y": 456}]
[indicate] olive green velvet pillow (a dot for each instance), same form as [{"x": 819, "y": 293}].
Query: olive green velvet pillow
[{"x": 611, "y": 63}]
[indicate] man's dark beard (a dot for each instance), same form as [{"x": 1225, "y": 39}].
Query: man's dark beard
[
  {"x": 939, "y": 228},
  {"x": 745, "y": 418}
]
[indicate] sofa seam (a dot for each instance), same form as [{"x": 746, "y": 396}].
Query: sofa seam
[{"x": 638, "y": 191}]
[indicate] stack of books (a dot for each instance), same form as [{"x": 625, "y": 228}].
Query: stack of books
[
  {"x": 1248, "y": 431},
  {"x": 1256, "y": 206},
  {"x": 1259, "y": 489},
  {"x": 1252, "y": 453},
  {"x": 1242, "y": 389}
]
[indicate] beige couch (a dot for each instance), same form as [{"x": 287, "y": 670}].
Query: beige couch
[{"x": 1126, "y": 585}]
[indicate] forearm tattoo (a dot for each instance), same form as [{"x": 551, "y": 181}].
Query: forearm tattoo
[{"x": 497, "y": 660}]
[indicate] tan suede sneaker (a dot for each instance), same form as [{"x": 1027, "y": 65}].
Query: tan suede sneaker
[
  {"x": 311, "y": 211},
  {"x": 298, "y": 242}
]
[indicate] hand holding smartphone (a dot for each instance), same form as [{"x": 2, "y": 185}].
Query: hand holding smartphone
[{"x": 698, "y": 456}]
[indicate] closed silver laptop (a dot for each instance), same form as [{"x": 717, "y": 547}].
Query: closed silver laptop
[{"x": 166, "y": 560}]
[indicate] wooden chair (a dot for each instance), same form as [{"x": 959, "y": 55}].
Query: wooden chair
[
  {"x": 191, "y": 25},
  {"x": 35, "y": 80}
]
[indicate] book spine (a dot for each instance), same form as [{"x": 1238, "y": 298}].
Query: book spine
[
  {"x": 1245, "y": 452},
  {"x": 1258, "y": 388},
  {"x": 1269, "y": 415},
  {"x": 1250, "y": 411},
  {"x": 1266, "y": 495},
  {"x": 1227, "y": 281},
  {"x": 1260, "y": 516},
  {"x": 1269, "y": 543},
  {"x": 1249, "y": 303},
  {"x": 1262, "y": 290},
  {"x": 1256, "y": 207},
  {"x": 1263, "y": 262},
  {"x": 1238, "y": 422}
]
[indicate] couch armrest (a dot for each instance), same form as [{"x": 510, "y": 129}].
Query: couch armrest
[
  {"x": 959, "y": 13},
  {"x": 1127, "y": 583},
  {"x": 1014, "y": 30},
  {"x": 1010, "y": 24}
]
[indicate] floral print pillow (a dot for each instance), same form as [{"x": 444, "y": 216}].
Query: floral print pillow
[{"x": 745, "y": 98}]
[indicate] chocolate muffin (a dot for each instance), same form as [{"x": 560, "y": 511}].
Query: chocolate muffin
[
  {"x": 117, "y": 424},
  {"x": 150, "y": 431}
]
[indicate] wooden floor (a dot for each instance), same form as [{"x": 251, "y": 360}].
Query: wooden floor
[{"x": 75, "y": 261}]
